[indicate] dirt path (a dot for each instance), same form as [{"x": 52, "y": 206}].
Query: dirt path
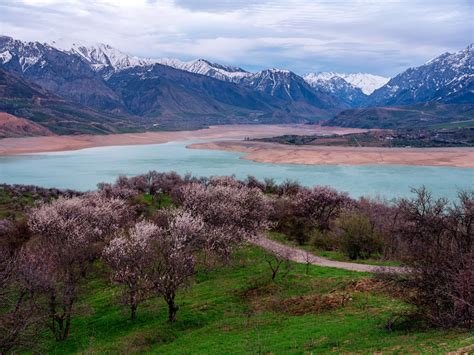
[{"x": 303, "y": 257}]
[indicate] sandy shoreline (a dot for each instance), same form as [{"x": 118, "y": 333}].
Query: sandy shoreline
[
  {"x": 320, "y": 155},
  {"x": 12, "y": 146}
]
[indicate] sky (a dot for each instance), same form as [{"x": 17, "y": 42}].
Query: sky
[{"x": 381, "y": 37}]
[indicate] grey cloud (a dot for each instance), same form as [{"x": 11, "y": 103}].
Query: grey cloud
[{"x": 382, "y": 37}]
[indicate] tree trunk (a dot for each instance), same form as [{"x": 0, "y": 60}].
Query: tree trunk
[
  {"x": 172, "y": 307},
  {"x": 52, "y": 314},
  {"x": 133, "y": 312},
  {"x": 133, "y": 301},
  {"x": 67, "y": 326}
]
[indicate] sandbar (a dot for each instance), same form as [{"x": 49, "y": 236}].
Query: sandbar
[{"x": 264, "y": 152}]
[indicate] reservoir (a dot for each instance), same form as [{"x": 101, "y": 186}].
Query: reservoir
[{"x": 83, "y": 169}]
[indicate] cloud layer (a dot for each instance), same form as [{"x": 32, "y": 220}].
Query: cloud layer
[{"x": 380, "y": 37}]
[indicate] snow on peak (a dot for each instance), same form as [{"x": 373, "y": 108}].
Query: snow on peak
[
  {"x": 204, "y": 67},
  {"x": 368, "y": 83},
  {"x": 5, "y": 57},
  {"x": 313, "y": 78},
  {"x": 103, "y": 55},
  {"x": 29, "y": 53},
  {"x": 279, "y": 71}
]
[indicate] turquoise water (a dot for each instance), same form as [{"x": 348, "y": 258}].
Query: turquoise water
[{"x": 83, "y": 169}]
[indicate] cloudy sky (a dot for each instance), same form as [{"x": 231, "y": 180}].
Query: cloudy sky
[{"x": 381, "y": 37}]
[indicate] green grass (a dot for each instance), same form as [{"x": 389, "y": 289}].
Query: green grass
[
  {"x": 330, "y": 254},
  {"x": 154, "y": 203},
  {"x": 457, "y": 124},
  {"x": 13, "y": 206},
  {"x": 229, "y": 310}
]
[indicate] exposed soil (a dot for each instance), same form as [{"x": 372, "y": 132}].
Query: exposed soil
[{"x": 264, "y": 152}]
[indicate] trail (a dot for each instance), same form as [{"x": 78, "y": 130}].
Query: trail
[{"x": 303, "y": 257}]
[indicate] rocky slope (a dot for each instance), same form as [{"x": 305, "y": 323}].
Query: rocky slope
[
  {"x": 333, "y": 84},
  {"x": 205, "y": 67},
  {"x": 30, "y": 101},
  {"x": 448, "y": 78},
  {"x": 61, "y": 73}
]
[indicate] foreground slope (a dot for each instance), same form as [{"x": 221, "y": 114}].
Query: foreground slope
[{"x": 238, "y": 309}]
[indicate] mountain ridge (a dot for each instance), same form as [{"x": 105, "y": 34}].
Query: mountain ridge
[
  {"x": 106, "y": 59},
  {"x": 439, "y": 79},
  {"x": 106, "y": 84}
]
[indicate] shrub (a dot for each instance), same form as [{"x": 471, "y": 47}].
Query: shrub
[
  {"x": 384, "y": 216},
  {"x": 439, "y": 251},
  {"x": 324, "y": 240},
  {"x": 357, "y": 236},
  {"x": 320, "y": 205}
]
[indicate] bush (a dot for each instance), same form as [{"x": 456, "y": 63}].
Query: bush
[
  {"x": 296, "y": 229},
  {"x": 320, "y": 205},
  {"x": 357, "y": 237},
  {"x": 324, "y": 240},
  {"x": 439, "y": 250}
]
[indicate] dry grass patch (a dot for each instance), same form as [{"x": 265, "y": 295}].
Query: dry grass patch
[
  {"x": 366, "y": 285},
  {"x": 311, "y": 304}
]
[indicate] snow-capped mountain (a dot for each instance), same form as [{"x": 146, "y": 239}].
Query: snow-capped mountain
[
  {"x": 103, "y": 58},
  {"x": 279, "y": 83},
  {"x": 204, "y": 67},
  {"x": 336, "y": 85},
  {"x": 62, "y": 73},
  {"x": 286, "y": 85},
  {"x": 448, "y": 78},
  {"x": 103, "y": 55},
  {"x": 106, "y": 59},
  {"x": 22, "y": 55},
  {"x": 367, "y": 83},
  {"x": 105, "y": 79}
]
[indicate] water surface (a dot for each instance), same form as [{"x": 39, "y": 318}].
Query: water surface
[{"x": 83, "y": 169}]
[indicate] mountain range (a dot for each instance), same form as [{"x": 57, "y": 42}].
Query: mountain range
[
  {"x": 448, "y": 78},
  {"x": 117, "y": 92}
]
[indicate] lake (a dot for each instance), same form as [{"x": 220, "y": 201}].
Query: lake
[{"x": 83, "y": 169}]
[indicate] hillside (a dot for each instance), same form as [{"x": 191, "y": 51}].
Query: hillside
[
  {"x": 411, "y": 116},
  {"x": 61, "y": 73},
  {"x": 12, "y": 126},
  {"x": 32, "y": 102},
  {"x": 250, "y": 313},
  {"x": 161, "y": 91},
  {"x": 227, "y": 306}
]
